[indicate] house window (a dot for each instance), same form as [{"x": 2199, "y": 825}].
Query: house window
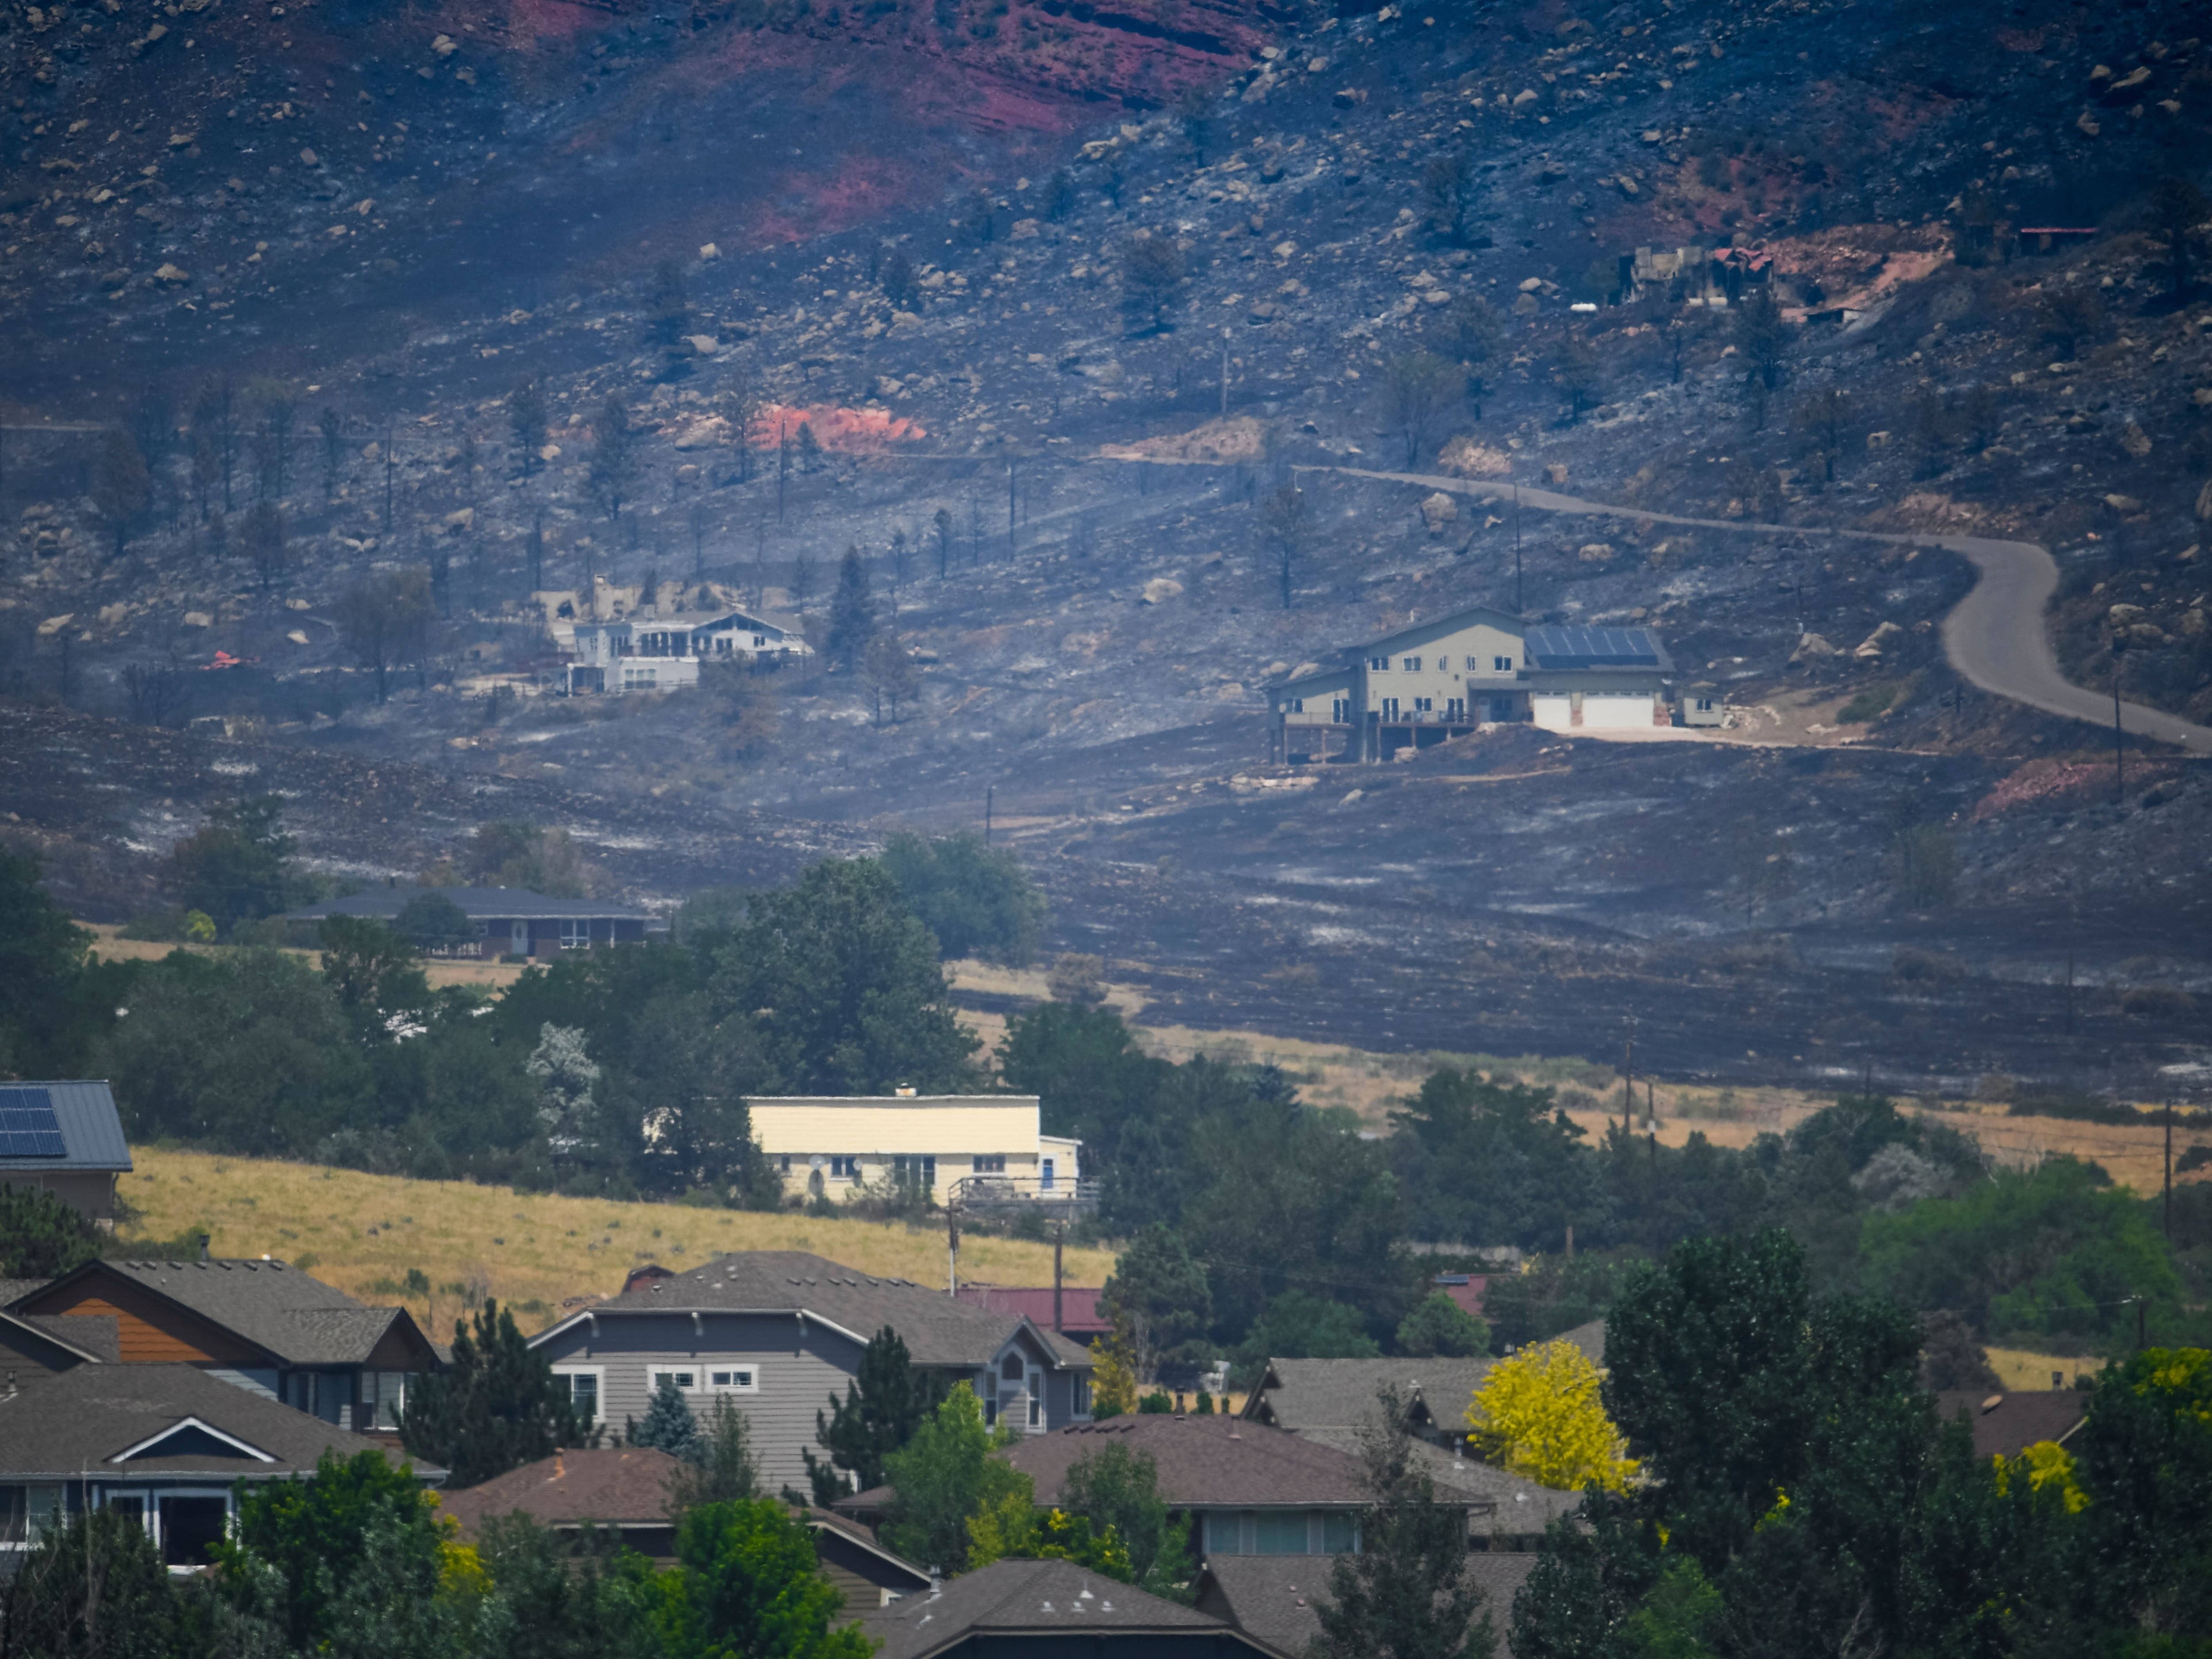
[
  {"x": 27, "y": 1513},
  {"x": 1425, "y": 705},
  {"x": 842, "y": 1168},
  {"x": 685, "y": 1379},
  {"x": 1045, "y": 1174},
  {"x": 1340, "y": 1534},
  {"x": 1011, "y": 1368},
  {"x": 576, "y": 935},
  {"x": 1339, "y": 712},
  {"x": 1705, "y": 705},
  {"x": 1455, "y": 709},
  {"x": 1279, "y": 1532},
  {"x": 191, "y": 1524},
  {"x": 1389, "y": 709},
  {"x": 1083, "y": 1397},
  {"x": 1412, "y": 664},
  {"x": 783, "y": 1164},
  {"x": 384, "y": 1394},
  {"x": 1297, "y": 705},
  {"x": 1378, "y": 665},
  {"x": 1037, "y": 1408},
  {"x": 919, "y": 1169},
  {"x": 990, "y": 1163},
  {"x": 582, "y": 1383},
  {"x": 742, "y": 1379},
  {"x": 1501, "y": 664}
]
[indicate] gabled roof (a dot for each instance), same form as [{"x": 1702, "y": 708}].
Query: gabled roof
[
  {"x": 617, "y": 1486},
  {"x": 938, "y": 1330},
  {"x": 852, "y": 1533},
  {"x": 1451, "y": 622},
  {"x": 93, "y": 1419},
  {"x": 1275, "y": 1598},
  {"x": 2007, "y": 1425},
  {"x": 1301, "y": 1395},
  {"x": 1206, "y": 1462},
  {"x": 478, "y": 903},
  {"x": 83, "y": 1112},
  {"x": 763, "y": 621},
  {"x": 295, "y": 1319},
  {"x": 1037, "y": 1607},
  {"x": 91, "y": 1341}
]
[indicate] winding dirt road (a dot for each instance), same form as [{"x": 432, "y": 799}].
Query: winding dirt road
[{"x": 1995, "y": 637}]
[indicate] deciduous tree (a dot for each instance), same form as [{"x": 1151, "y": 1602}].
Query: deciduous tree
[
  {"x": 977, "y": 900},
  {"x": 1538, "y": 1414}
]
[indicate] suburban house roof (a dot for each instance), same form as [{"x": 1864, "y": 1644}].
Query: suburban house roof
[
  {"x": 1033, "y": 1607},
  {"x": 83, "y": 1112},
  {"x": 1450, "y": 623},
  {"x": 938, "y": 1330},
  {"x": 1580, "y": 648},
  {"x": 478, "y": 903},
  {"x": 166, "y": 1421},
  {"x": 2007, "y": 1425},
  {"x": 90, "y": 1340},
  {"x": 293, "y": 1318},
  {"x": 1302, "y": 1395},
  {"x": 1590, "y": 1338},
  {"x": 828, "y": 1523},
  {"x": 1275, "y": 1597},
  {"x": 1206, "y": 1462},
  {"x": 13, "y": 1291},
  {"x": 1079, "y": 1305},
  {"x": 624, "y": 1485},
  {"x": 1497, "y": 1500}
]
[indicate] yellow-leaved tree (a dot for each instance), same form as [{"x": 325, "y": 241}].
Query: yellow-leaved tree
[
  {"x": 1538, "y": 1414},
  {"x": 1114, "y": 1372}
]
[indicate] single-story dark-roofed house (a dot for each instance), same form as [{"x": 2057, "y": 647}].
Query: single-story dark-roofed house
[{"x": 509, "y": 921}]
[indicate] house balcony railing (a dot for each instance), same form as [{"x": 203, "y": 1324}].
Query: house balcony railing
[{"x": 1001, "y": 1192}]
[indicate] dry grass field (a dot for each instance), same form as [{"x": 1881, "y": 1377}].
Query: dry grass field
[
  {"x": 114, "y": 947},
  {"x": 2023, "y": 1371},
  {"x": 535, "y": 1252}
]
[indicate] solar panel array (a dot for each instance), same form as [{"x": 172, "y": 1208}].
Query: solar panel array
[
  {"x": 1593, "y": 647},
  {"x": 28, "y": 1128}
]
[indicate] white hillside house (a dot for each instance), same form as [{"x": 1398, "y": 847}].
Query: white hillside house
[{"x": 646, "y": 654}]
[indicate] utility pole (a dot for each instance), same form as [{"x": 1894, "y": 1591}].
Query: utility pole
[
  {"x": 1628, "y": 1083},
  {"x": 952, "y": 1249},
  {"x": 990, "y": 790},
  {"x": 1059, "y": 1239},
  {"x": 2119, "y": 748},
  {"x": 1519, "y": 606},
  {"x": 2169, "y": 1171},
  {"x": 389, "y": 466},
  {"x": 782, "y": 464},
  {"x": 1224, "y": 373}
]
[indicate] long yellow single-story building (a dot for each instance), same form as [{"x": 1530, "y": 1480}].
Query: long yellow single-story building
[{"x": 953, "y": 1146}]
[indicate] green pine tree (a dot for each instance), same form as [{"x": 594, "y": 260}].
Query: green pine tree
[
  {"x": 495, "y": 1408},
  {"x": 852, "y": 612},
  {"x": 883, "y": 1407},
  {"x": 669, "y": 1426}
]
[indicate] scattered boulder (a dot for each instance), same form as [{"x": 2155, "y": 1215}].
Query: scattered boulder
[
  {"x": 463, "y": 520},
  {"x": 1160, "y": 590},
  {"x": 2124, "y": 503},
  {"x": 703, "y": 345},
  {"x": 173, "y": 275},
  {"x": 1594, "y": 552},
  {"x": 1811, "y": 648},
  {"x": 2136, "y": 441},
  {"x": 1440, "y": 512},
  {"x": 1871, "y": 645},
  {"x": 707, "y": 251},
  {"x": 1556, "y": 472}
]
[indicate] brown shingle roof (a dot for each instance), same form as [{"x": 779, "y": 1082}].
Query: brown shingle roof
[
  {"x": 1035, "y": 1607},
  {"x": 1272, "y": 1597},
  {"x": 2007, "y": 1425},
  {"x": 624, "y": 1485},
  {"x": 1499, "y": 1501},
  {"x": 1206, "y": 1461}
]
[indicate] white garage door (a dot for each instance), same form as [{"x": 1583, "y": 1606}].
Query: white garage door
[
  {"x": 1612, "y": 710},
  {"x": 1554, "y": 711}
]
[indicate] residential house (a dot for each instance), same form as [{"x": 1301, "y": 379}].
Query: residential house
[
  {"x": 1443, "y": 678},
  {"x": 1327, "y": 1401},
  {"x": 648, "y": 654},
  {"x": 2007, "y": 1425},
  {"x": 780, "y": 1332},
  {"x": 263, "y": 1326},
  {"x": 1247, "y": 1489},
  {"x": 37, "y": 1346},
  {"x": 1070, "y": 1309},
  {"x": 1022, "y": 1609},
  {"x": 870, "y": 1576},
  {"x": 968, "y": 1149},
  {"x": 1277, "y": 1601},
  {"x": 169, "y": 1444},
  {"x": 622, "y": 1492},
  {"x": 1696, "y": 274},
  {"x": 64, "y": 1136},
  {"x": 509, "y": 921}
]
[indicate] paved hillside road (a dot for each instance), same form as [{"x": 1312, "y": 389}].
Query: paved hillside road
[{"x": 1995, "y": 636}]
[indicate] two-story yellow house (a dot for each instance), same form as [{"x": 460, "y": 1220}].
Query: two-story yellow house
[
  {"x": 1443, "y": 678},
  {"x": 970, "y": 1147}
]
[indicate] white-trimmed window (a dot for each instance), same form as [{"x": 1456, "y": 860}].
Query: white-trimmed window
[
  {"x": 685, "y": 1377},
  {"x": 1082, "y": 1395},
  {"x": 1412, "y": 664},
  {"x": 27, "y": 1513},
  {"x": 576, "y": 935},
  {"x": 1499, "y": 664},
  {"x": 383, "y": 1395},
  {"x": 844, "y": 1167},
  {"x": 1378, "y": 665},
  {"x": 733, "y": 1379},
  {"x": 586, "y": 1387},
  {"x": 990, "y": 1163}
]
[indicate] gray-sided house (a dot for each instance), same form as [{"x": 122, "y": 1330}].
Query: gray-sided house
[
  {"x": 166, "y": 1445},
  {"x": 1326, "y": 1402},
  {"x": 64, "y": 1137},
  {"x": 509, "y": 921},
  {"x": 778, "y": 1332},
  {"x": 263, "y": 1325},
  {"x": 1443, "y": 678}
]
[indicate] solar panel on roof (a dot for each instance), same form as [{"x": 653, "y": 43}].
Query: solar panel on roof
[
  {"x": 28, "y": 1128},
  {"x": 1611, "y": 648}
]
